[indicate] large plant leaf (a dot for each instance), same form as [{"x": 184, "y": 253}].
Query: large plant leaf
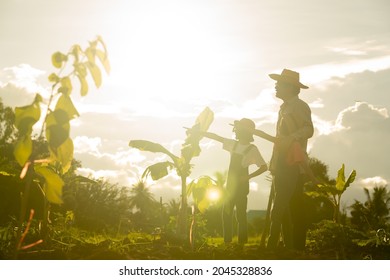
[
  {"x": 191, "y": 147},
  {"x": 27, "y": 116},
  {"x": 205, "y": 119},
  {"x": 104, "y": 60},
  {"x": 53, "y": 184},
  {"x": 23, "y": 149},
  {"x": 95, "y": 72},
  {"x": 57, "y": 128},
  {"x": 158, "y": 170},
  {"x": 340, "y": 181},
  {"x": 83, "y": 85},
  {"x": 350, "y": 179},
  {"x": 66, "y": 86},
  {"x": 65, "y": 104},
  {"x": 149, "y": 146},
  {"x": 58, "y": 58},
  {"x": 63, "y": 154},
  {"x": 198, "y": 189}
]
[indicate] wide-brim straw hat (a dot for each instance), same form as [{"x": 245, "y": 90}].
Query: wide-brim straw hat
[{"x": 289, "y": 77}]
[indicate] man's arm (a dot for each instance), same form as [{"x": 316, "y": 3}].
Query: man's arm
[
  {"x": 302, "y": 114},
  {"x": 264, "y": 135}
]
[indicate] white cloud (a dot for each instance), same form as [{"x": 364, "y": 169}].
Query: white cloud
[
  {"x": 320, "y": 74},
  {"x": 361, "y": 116},
  {"x": 373, "y": 182},
  {"x": 116, "y": 176},
  {"x": 26, "y": 77},
  {"x": 361, "y": 143},
  {"x": 84, "y": 144},
  {"x": 347, "y": 51}
]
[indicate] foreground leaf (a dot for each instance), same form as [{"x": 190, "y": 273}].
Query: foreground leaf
[
  {"x": 95, "y": 72},
  {"x": 53, "y": 184},
  {"x": 65, "y": 104},
  {"x": 58, "y": 58},
  {"x": 149, "y": 146},
  {"x": 27, "y": 116},
  {"x": 64, "y": 154},
  {"x": 158, "y": 170},
  {"x": 23, "y": 149}
]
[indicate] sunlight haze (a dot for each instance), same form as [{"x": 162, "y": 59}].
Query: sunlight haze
[{"x": 170, "y": 59}]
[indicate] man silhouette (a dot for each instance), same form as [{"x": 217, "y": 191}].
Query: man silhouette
[{"x": 294, "y": 126}]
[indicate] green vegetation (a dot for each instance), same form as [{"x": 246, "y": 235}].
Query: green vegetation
[{"x": 47, "y": 211}]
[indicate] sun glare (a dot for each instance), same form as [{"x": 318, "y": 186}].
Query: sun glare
[
  {"x": 175, "y": 52},
  {"x": 214, "y": 195}
]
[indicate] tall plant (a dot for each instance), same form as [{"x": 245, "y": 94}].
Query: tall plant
[
  {"x": 77, "y": 63},
  {"x": 333, "y": 192},
  {"x": 182, "y": 163}
]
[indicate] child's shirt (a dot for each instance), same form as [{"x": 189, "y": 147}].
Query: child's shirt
[{"x": 250, "y": 153}]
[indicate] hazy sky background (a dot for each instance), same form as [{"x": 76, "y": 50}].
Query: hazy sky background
[{"x": 172, "y": 58}]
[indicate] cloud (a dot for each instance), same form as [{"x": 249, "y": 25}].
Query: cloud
[
  {"x": 361, "y": 143},
  {"x": 116, "y": 176},
  {"x": 373, "y": 182},
  {"x": 21, "y": 82},
  {"x": 321, "y": 74}
]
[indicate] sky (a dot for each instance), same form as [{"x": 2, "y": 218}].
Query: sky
[{"x": 170, "y": 59}]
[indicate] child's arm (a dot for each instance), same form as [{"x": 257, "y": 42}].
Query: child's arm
[
  {"x": 212, "y": 136},
  {"x": 259, "y": 171}
]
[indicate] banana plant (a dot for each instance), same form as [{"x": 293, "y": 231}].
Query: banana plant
[
  {"x": 181, "y": 164},
  {"x": 333, "y": 192}
]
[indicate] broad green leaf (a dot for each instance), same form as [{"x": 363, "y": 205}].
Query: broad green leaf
[
  {"x": 350, "y": 179},
  {"x": 104, "y": 60},
  {"x": 189, "y": 151},
  {"x": 191, "y": 144},
  {"x": 90, "y": 54},
  {"x": 100, "y": 40},
  {"x": 95, "y": 72},
  {"x": 314, "y": 194},
  {"x": 330, "y": 189},
  {"x": 76, "y": 51},
  {"x": 148, "y": 146},
  {"x": 83, "y": 85},
  {"x": 203, "y": 205},
  {"x": 54, "y": 78},
  {"x": 199, "y": 187},
  {"x": 65, "y": 104},
  {"x": 81, "y": 69},
  {"x": 64, "y": 154},
  {"x": 66, "y": 86},
  {"x": 205, "y": 119},
  {"x": 53, "y": 184},
  {"x": 58, "y": 58},
  {"x": 57, "y": 128},
  {"x": 23, "y": 149},
  {"x": 27, "y": 116},
  {"x": 340, "y": 181},
  {"x": 158, "y": 170}
]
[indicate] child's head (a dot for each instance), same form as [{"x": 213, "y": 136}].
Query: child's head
[{"x": 244, "y": 129}]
